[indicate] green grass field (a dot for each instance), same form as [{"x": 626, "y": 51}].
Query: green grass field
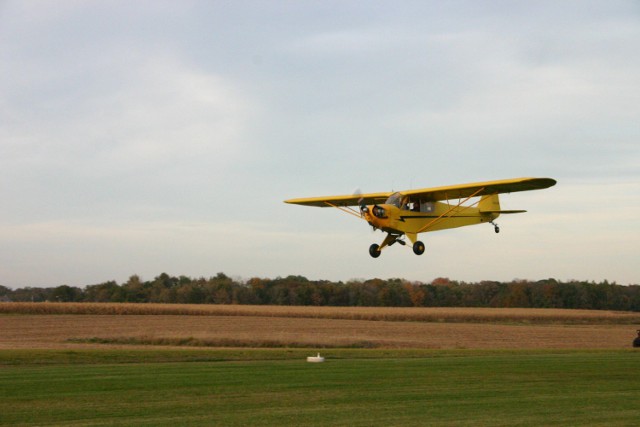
[{"x": 353, "y": 387}]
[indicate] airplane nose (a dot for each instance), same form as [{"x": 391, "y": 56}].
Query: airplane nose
[{"x": 379, "y": 212}]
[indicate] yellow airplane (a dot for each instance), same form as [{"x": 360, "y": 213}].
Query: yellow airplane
[{"x": 408, "y": 213}]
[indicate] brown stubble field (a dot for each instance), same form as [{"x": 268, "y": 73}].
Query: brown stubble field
[{"x": 68, "y": 326}]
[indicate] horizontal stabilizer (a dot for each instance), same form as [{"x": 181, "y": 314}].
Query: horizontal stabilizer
[{"x": 503, "y": 212}]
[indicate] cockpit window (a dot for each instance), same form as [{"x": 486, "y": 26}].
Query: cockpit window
[{"x": 398, "y": 200}]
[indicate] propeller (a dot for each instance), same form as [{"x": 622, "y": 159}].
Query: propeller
[{"x": 363, "y": 207}]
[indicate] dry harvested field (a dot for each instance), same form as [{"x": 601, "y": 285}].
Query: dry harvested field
[{"x": 53, "y": 325}]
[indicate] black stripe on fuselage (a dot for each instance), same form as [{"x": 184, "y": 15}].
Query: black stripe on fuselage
[{"x": 402, "y": 217}]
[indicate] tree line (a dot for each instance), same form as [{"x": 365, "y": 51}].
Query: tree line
[{"x": 298, "y": 290}]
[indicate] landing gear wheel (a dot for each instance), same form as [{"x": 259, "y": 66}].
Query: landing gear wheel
[
  {"x": 374, "y": 250},
  {"x": 418, "y": 248},
  {"x": 497, "y": 229}
]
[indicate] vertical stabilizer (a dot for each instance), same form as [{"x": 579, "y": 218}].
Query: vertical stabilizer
[{"x": 489, "y": 204}]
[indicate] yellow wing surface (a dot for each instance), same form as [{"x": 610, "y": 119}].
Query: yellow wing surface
[
  {"x": 349, "y": 200},
  {"x": 481, "y": 189},
  {"x": 433, "y": 194}
]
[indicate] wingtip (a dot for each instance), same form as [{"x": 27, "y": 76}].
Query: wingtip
[{"x": 550, "y": 182}]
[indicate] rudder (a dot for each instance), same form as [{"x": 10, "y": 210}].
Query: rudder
[{"x": 489, "y": 204}]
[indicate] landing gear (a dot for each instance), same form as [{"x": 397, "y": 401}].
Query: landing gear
[
  {"x": 374, "y": 250},
  {"x": 495, "y": 226}
]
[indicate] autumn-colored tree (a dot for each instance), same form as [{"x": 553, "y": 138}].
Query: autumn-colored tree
[{"x": 298, "y": 290}]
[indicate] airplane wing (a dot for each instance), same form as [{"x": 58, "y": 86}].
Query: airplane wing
[
  {"x": 480, "y": 189},
  {"x": 347, "y": 200},
  {"x": 433, "y": 194}
]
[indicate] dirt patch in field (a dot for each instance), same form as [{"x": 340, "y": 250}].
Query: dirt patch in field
[{"x": 72, "y": 331}]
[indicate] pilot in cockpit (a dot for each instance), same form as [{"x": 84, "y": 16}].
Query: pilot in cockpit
[{"x": 404, "y": 205}]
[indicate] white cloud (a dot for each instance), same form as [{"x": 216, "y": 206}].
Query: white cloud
[
  {"x": 134, "y": 132},
  {"x": 155, "y": 109},
  {"x": 165, "y": 113},
  {"x": 364, "y": 41}
]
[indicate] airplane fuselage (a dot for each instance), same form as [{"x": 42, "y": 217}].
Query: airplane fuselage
[{"x": 423, "y": 217}]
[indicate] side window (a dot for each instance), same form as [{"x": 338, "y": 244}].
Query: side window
[{"x": 427, "y": 207}]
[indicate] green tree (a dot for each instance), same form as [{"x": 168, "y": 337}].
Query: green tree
[{"x": 66, "y": 293}]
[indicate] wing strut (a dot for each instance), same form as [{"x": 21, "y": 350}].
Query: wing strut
[
  {"x": 453, "y": 209},
  {"x": 345, "y": 209}
]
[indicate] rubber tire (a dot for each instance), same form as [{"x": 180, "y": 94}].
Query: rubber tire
[
  {"x": 374, "y": 250},
  {"x": 497, "y": 229},
  {"x": 418, "y": 248}
]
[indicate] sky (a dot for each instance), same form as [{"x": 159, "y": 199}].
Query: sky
[{"x": 163, "y": 136}]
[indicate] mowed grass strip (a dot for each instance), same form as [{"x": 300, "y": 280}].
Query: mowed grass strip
[
  {"x": 520, "y": 388},
  {"x": 395, "y": 314},
  {"x": 123, "y": 355}
]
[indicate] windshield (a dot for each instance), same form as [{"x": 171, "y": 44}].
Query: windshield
[{"x": 396, "y": 199}]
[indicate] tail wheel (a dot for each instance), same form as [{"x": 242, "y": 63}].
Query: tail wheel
[
  {"x": 374, "y": 250},
  {"x": 418, "y": 248}
]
